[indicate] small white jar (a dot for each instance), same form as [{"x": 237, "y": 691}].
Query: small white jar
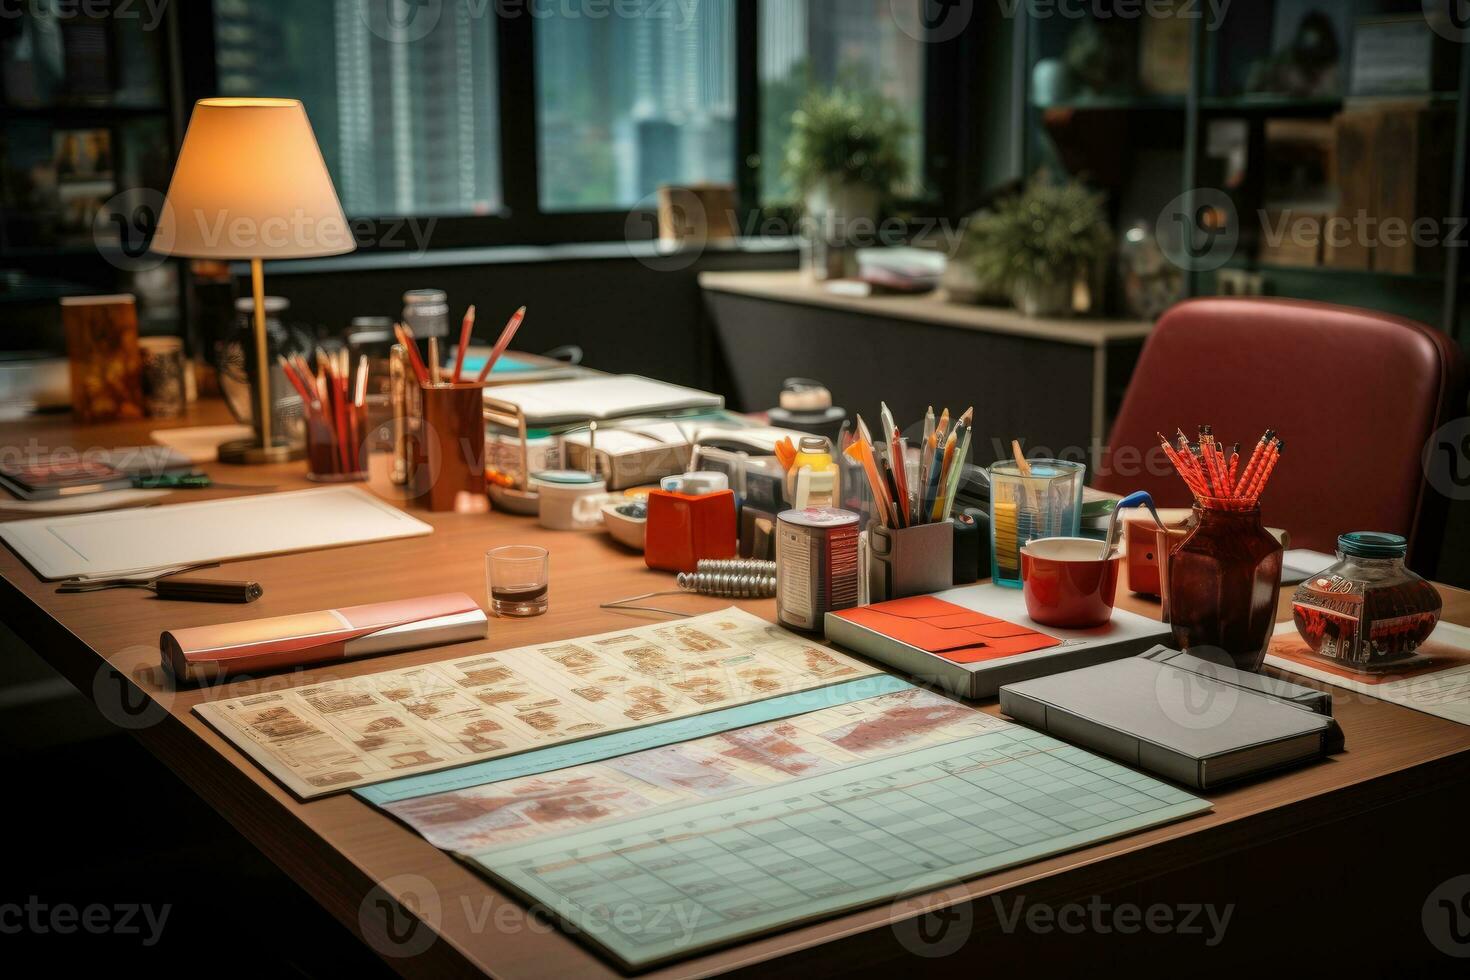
[{"x": 570, "y": 500}]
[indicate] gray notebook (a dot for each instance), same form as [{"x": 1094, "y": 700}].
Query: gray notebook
[{"x": 1191, "y": 727}]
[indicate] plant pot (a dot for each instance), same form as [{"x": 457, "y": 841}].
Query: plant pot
[
  {"x": 1051, "y": 297},
  {"x": 841, "y": 217}
]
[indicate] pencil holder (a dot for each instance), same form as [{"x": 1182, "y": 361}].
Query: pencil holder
[
  {"x": 337, "y": 453},
  {"x": 446, "y": 447},
  {"x": 1045, "y": 503},
  {"x": 909, "y": 561}
]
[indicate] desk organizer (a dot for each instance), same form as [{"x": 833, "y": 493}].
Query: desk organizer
[{"x": 909, "y": 561}]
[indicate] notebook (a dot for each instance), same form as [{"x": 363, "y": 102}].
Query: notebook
[
  {"x": 67, "y": 473},
  {"x": 972, "y": 640},
  {"x": 1193, "y": 727}
]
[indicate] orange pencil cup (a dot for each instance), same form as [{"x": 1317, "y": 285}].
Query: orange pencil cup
[{"x": 693, "y": 517}]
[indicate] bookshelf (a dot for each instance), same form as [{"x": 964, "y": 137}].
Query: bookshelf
[
  {"x": 1261, "y": 107},
  {"x": 89, "y": 113}
]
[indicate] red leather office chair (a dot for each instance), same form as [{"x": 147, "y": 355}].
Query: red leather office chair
[{"x": 1354, "y": 394}]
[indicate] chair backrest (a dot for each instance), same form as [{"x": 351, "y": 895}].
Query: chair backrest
[{"x": 1355, "y": 396}]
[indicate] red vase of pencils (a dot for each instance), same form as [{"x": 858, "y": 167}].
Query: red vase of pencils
[{"x": 1225, "y": 577}]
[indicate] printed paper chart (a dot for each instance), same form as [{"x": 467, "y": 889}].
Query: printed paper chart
[{"x": 659, "y": 887}]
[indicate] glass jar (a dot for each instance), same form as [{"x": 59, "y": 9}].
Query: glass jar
[
  {"x": 426, "y": 311},
  {"x": 1368, "y": 611},
  {"x": 1224, "y": 581}
]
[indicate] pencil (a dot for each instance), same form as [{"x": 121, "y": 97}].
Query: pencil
[
  {"x": 961, "y": 455},
  {"x": 511, "y": 326},
  {"x": 949, "y": 449},
  {"x": 410, "y": 344},
  {"x": 464, "y": 340}
]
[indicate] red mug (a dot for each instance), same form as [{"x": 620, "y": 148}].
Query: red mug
[{"x": 1066, "y": 584}]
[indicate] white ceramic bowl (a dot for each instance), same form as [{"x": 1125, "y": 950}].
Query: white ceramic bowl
[{"x": 625, "y": 530}]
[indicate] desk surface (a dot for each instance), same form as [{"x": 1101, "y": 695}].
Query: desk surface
[
  {"x": 933, "y": 307},
  {"x": 339, "y": 848}
]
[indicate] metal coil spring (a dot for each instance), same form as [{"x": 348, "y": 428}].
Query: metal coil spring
[{"x": 731, "y": 578}]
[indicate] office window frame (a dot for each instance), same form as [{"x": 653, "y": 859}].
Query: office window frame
[{"x": 521, "y": 221}]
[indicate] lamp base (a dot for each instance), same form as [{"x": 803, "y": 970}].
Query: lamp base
[{"x": 251, "y": 452}]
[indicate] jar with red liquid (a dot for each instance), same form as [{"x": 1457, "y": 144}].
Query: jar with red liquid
[
  {"x": 1368, "y": 611},
  {"x": 1224, "y": 580}
]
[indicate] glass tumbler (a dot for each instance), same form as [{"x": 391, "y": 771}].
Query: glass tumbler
[
  {"x": 1045, "y": 504},
  {"x": 518, "y": 579}
]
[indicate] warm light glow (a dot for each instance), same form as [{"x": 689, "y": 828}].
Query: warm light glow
[{"x": 250, "y": 182}]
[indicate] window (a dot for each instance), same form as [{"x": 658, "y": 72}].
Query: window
[
  {"x": 640, "y": 96},
  {"x": 405, "y": 109},
  {"x": 627, "y": 96},
  {"x": 854, "y": 44}
]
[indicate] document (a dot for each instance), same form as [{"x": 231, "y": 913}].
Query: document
[
  {"x": 323, "y": 738},
  {"x": 672, "y": 882},
  {"x": 480, "y": 818},
  {"x": 1436, "y": 681}
]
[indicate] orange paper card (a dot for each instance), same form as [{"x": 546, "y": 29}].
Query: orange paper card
[{"x": 946, "y": 630}]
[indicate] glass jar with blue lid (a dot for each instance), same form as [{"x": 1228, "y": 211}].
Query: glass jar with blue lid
[{"x": 1368, "y": 612}]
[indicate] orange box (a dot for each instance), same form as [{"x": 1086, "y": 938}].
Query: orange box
[{"x": 683, "y": 528}]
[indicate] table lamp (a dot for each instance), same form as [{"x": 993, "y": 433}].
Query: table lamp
[{"x": 250, "y": 183}]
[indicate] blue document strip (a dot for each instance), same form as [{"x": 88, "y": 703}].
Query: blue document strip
[{"x": 631, "y": 740}]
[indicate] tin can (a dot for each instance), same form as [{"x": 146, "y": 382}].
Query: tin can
[{"x": 816, "y": 565}]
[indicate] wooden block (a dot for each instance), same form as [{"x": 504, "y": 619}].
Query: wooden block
[{"x": 106, "y": 365}]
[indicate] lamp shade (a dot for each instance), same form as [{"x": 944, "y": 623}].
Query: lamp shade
[{"x": 250, "y": 183}]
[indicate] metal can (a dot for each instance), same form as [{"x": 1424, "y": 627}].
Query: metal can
[{"x": 816, "y": 565}]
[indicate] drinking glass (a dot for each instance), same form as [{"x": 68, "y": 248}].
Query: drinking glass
[
  {"x": 1045, "y": 504},
  {"x": 518, "y": 579}
]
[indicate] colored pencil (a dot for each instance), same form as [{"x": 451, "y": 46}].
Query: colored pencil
[
  {"x": 405, "y": 337},
  {"x": 511, "y": 326},
  {"x": 465, "y": 329},
  {"x": 1212, "y": 476}
]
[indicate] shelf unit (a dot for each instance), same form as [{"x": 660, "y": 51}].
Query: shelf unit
[
  {"x": 133, "y": 94},
  {"x": 1151, "y": 144}
]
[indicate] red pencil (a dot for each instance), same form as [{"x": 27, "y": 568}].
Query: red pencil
[
  {"x": 308, "y": 402},
  {"x": 406, "y": 338},
  {"x": 464, "y": 340},
  {"x": 511, "y": 327}
]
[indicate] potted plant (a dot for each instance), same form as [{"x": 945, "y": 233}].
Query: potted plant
[
  {"x": 845, "y": 155},
  {"x": 1035, "y": 245}
]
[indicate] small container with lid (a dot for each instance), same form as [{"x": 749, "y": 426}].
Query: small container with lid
[
  {"x": 570, "y": 500},
  {"x": 1368, "y": 612},
  {"x": 426, "y": 311},
  {"x": 691, "y": 516}
]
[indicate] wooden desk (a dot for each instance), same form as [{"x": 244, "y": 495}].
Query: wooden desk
[{"x": 1316, "y": 838}]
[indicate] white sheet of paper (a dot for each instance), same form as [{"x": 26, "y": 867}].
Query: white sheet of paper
[
  {"x": 1300, "y": 564},
  {"x": 81, "y": 503},
  {"x": 134, "y": 541},
  {"x": 200, "y": 442},
  {"x": 1442, "y": 690}
]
